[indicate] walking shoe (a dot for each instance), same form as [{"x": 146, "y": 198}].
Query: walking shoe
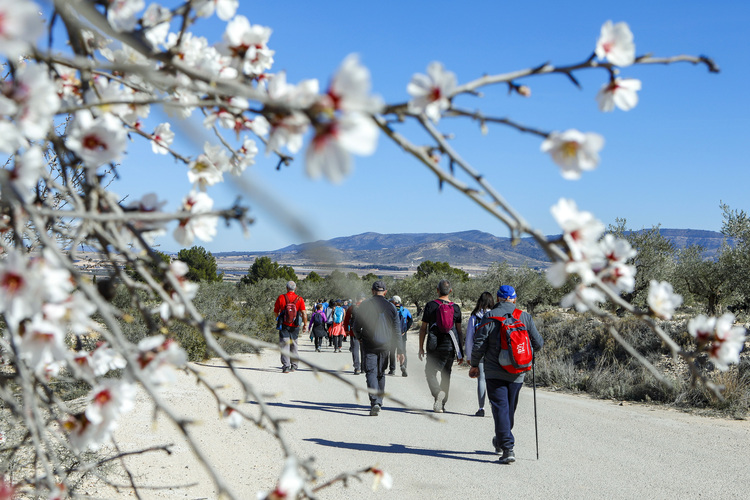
[
  {"x": 479, "y": 413},
  {"x": 392, "y": 372},
  {"x": 317, "y": 349},
  {"x": 439, "y": 403},
  {"x": 508, "y": 457},
  {"x": 498, "y": 451},
  {"x": 403, "y": 373},
  {"x": 374, "y": 410},
  {"x": 293, "y": 369},
  {"x": 356, "y": 372},
  {"x": 285, "y": 369}
]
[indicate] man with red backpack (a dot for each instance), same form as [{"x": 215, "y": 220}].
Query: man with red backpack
[
  {"x": 441, "y": 328},
  {"x": 507, "y": 339},
  {"x": 290, "y": 313}
]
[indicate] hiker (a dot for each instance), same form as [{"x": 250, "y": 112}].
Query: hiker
[
  {"x": 484, "y": 304},
  {"x": 376, "y": 323},
  {"x": 405, "y": 320},
  {"x": 504, "y": 380},
  {"x": 290, "y": 313},
  {"x": 317, "y": 326},
  {"x": 330, "y": 304},
  {"x": 355, "y": 346},
  {"x": 337, "y": 326},
  {"x": 441, "y": 328}
]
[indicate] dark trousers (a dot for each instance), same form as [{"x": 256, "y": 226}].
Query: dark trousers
[
  {"x": 375, "y": 374},
  {"x": 318, "y": 341},
  {"x": 504, "y": 400},
  {"x": 439, "y": 361},
  {"x": 337, "y": 341},
  {"x": 354, "y": 348}
]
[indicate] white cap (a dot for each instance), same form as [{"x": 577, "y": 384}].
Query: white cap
[{"x": 396, "y": 299}]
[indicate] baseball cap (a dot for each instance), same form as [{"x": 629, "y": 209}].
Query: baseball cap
[
  {"x": 379, "y": 286},
  {"x": 396, "y": 299},
  {"x": 506, "y": 292}
]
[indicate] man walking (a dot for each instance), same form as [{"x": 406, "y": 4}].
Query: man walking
[
  {"x": 405, "y": 321},
  {"x": 354, "y": 344},
  {"x": 503, "y": 386},
  {"x": 441, "y": 327},
  {"x": 290, "y": 314},
  {"x": 376, "y": 322}
]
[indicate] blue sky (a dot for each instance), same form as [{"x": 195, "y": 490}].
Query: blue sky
[{"x": 669, "y": 161}]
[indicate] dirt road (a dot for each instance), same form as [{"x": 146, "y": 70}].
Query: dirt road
[{"x": 587, "y": 448}]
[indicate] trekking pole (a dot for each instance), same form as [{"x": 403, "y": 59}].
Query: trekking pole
[{"x": 533, "y": 384}]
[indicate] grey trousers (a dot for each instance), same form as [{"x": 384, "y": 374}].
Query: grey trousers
[
  {"x": 288, "y": 344},
  {"x": 375, "y": 373},
  {"x": 355, "y": 349},
  {"x": 439, "y": 361}
]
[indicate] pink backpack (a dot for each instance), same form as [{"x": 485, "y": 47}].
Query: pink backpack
[{"x": 444, "y": 320}]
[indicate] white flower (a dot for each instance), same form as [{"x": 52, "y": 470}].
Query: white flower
[
  {"x": 162, "y": 138},
  {"x": 100, "y": 361},
  {"x": 619, "y": 277},
  {"x": 245, "y": 157},
  {"x": 27, "y": 171},
  {"x": 616, "y": 44},
  {"x": 620, "y": 92},
  {"x": 108, "y": 400},
  {"x": 350, "y": 88},
  {"x": 287, "y": 130},
  {"x": 10, "y": 138},
  {"x": 290, "y": 482},
  {"x": 329, "y": 150},
  {"x": 232, "y": 416},
  {"x": 581, "y": 230},
  {"x": 583, "y": 298},
  {"x": 247, "y": 45},
  {"x": 616, "y": 249},
  {"x": 158, "y": 358},
  {"x": 431, "y": 92},
  {"x": 196, "y": 225},
  {"x": 20, "y": 26},
  {"x": 156, "y": 24},
  {"x": 702, "y": 328},
  {"x": 225, "y": 9},
  {"x": 33, "y": 101},
  {"x": 382, "y": 478},
  {"x": 20, "y": 289},
  {"x": 662, "y": 300},
  {"x": 729, "y": 341},
  {"x": 97, "y": 140},
  {"x": 121, "y": 14},
  {"x": 574, "y": 151},
  {"x": 42, "y": 346}
]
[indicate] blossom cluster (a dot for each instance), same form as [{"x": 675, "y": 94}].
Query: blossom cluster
[
  {"x": 719, "y": 337},
  {"x": 593, "y": 256}
]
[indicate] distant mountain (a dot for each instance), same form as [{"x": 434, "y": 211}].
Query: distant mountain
[{"x": 467, "y": 249}]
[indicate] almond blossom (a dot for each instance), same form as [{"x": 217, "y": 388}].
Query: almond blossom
[
  {"x": 702, "y": 328},
  {"x": 247, "y": 45},
  {"x": 42, "y": 347},
  {"x": 107, "y": 401},
  {"x": 26, "y": 172},
  {"x": 581, "y": 230},
  {"x": 620, "y": 92},
  {"x": 290, "y": 482},
  {"x": 662, "y": 300},
  {"x": 156, "y": 24},
  {"x": 100, "y": 361},
  {"x": 431, "y": 93},
  {"x": 350, "y": 88},
  {"x": 329, "y": 150},
  {"x": 20, "y": 289},
  {"x": 574, "y": 151},
  {"x": 196, "y": 225},
  {"x": 32, "y": 100},
  {"x": 616, "y": 44},
  {"x": 121, "y": 14},
  {"x": 583, "y": 298},
  {"x": 96, "y": 141},
  {"x": 245, "y": 157},
  {"x": 162, "y": 138},
  {"x": 158, "y": 357},
  {"x": 20, "y": 26},
  {"x": 728, "y": 342},
  {"x": 232, "y": 416},
  {"x": 225, "y": 9}
]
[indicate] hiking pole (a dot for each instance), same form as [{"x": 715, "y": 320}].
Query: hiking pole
[{"x": 533, "y": 384}]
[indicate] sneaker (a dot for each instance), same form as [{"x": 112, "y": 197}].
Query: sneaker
[
  {"x": 356, "y": 372},
  {"x": 508, "y": 457},
  {"x": 403, "y": 373},
  {"x": 317, "y": 350},
  {"x": 439, "y": 405},
  {"x": 374, "y": 410},
  {"x": 498, "y": 450},
  {"x": 293, "y": 369},
  {"x": 479, "y": 413},
  {"x": 285, "y": 369},
  {"x": 392, "y": 372}
]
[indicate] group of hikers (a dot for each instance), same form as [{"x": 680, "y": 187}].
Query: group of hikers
[{"x": 499, "y": 344}]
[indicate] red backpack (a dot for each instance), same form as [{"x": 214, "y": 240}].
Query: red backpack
[
  {"x": 516, "y": 354},
  {"x": 444, "y": 319},
  {"x": 289, "y": 314}
]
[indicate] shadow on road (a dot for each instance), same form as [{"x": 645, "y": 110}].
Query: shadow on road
[
  {"x": 403, "y": 449},
  {"x": 355, "y": 409}
]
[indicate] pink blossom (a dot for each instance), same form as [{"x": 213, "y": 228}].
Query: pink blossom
[{"x": 616, "y": 44}]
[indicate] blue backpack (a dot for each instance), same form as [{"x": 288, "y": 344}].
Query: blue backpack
[{"x": 338, "y": 314}]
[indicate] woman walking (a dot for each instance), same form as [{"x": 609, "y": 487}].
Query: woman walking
[
  {"x": 484, "y": 304},
  {"x": 318, "y": 326}
]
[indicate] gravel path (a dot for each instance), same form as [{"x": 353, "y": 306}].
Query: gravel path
[{"x": 587, "y": 448}]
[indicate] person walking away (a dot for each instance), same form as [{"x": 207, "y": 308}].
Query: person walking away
[
  {"x": 441, "y": 328},
  {"x": 484, "y": 304},
  {"x": 318, "y": 326},
  {"x": 376, "y": 322},
  {"x": 337, "y": 326},
  {"x": 405, "y": 320},
  {"x": 290, "y": 313},
  {"x": 329, "y": 314},
  {"x": 354, "y": 344},
  {"x": 504, "y": 380}
]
